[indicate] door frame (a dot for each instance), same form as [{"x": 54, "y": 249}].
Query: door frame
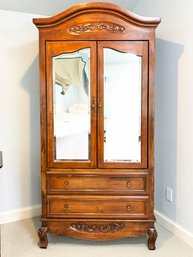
[
  {"x": 54, "y": 48},
  {"x": 139, "y": 48}
]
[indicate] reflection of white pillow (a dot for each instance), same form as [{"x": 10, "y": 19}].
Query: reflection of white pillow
[{"x": 78, "y": 108}]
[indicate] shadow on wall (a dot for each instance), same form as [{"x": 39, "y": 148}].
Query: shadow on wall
[
  {"x": 30, "y": 83},
  {"x": 167, "y": 56}
]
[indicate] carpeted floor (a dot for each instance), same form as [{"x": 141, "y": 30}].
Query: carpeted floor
[{"x": 19, "y": 239}]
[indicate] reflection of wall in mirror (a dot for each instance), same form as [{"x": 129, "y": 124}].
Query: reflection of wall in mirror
[
  {"x": 73, "y": 95},
  {"x": 123, "y": 111}
]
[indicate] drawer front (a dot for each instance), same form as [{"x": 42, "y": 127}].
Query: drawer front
[
  {"x": 66, "y": 184},
  {"x": 91, "y": 207}
]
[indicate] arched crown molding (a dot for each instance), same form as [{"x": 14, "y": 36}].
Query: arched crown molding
[{"x": 99, "y": 7}]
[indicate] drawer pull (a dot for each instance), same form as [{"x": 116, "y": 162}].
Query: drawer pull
[
  {"x": 66, "y": 183},
  {"x": 66, "y": 207},
  {"x": 129, "y": 184},
  {"x": 129, "y": 208}
]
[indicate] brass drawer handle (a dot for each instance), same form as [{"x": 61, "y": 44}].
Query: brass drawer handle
[
  {"x": 66, "y": 207},
  {"x": 129, "y": 208},
  {"x": 129, "y": 184},
  {"x": 66, "y": 183}
]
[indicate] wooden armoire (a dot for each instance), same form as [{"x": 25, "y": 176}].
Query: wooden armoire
[{"x": 97, "y": 123}]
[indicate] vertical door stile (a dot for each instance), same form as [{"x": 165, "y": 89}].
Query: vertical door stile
[
  {"x": 144, "y": 100},
  {"x": 100, "y": 103},
  {"x": 93, "y": 100}
]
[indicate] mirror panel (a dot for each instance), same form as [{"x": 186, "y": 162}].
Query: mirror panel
[
  {"x": 122, "y": 106},
  {"x": 71, "y": 100}
]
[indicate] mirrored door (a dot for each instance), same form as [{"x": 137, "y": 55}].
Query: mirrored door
[
  {"x": 122, "y": 105},
  {"x": 71, "y": 98}
]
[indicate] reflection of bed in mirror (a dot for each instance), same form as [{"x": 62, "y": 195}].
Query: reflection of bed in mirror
[
  {"x": 71, "y": 135},
  {"x": 71, "y": 105}
]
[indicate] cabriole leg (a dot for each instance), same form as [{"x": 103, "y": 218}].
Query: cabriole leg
[
  {"x": 42, "y": 233},
  {"x": 152, "y": 236}
]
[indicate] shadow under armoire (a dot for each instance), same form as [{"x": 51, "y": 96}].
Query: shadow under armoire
[{"x": 97, "y": 123}]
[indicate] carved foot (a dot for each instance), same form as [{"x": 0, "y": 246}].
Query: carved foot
[
  {"x": 42, "y": 233},
  {"x": 152, "y": 234}
]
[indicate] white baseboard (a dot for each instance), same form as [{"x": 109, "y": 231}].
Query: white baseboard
[
  {"x": 20, "y": 214},
  {"x": 167, "y": 223},
  {"x": 174, "y": 228}
]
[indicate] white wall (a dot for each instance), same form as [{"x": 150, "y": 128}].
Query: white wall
[
  {"x": 19, "y": 113},
  {"x": 50, "y": 7},
  {"x": 174, "y": 107}
]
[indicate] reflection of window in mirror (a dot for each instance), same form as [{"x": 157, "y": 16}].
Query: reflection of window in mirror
[
  {"x": 122, "y": 106},
  {"x": 71, "y": 77}
]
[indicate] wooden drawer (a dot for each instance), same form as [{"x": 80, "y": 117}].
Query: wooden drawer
[
  {"x": 91, "y": 206},
  {"x": 95, "y": 184}
]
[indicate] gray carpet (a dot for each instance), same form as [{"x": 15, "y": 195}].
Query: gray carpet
[{"x": 19, "y": 239}]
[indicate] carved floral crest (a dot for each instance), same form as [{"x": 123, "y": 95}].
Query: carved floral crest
[
  {"x": 93, "y": 27},
  {"x": 104, "y": 228}
]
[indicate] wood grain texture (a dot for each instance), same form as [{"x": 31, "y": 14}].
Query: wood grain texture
[
  {"x": 97, "y": 206},
  {"x": 94, "y": 199},
  {"x": 62, "y": 184},
  {"x": 129, "y": 228}
]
